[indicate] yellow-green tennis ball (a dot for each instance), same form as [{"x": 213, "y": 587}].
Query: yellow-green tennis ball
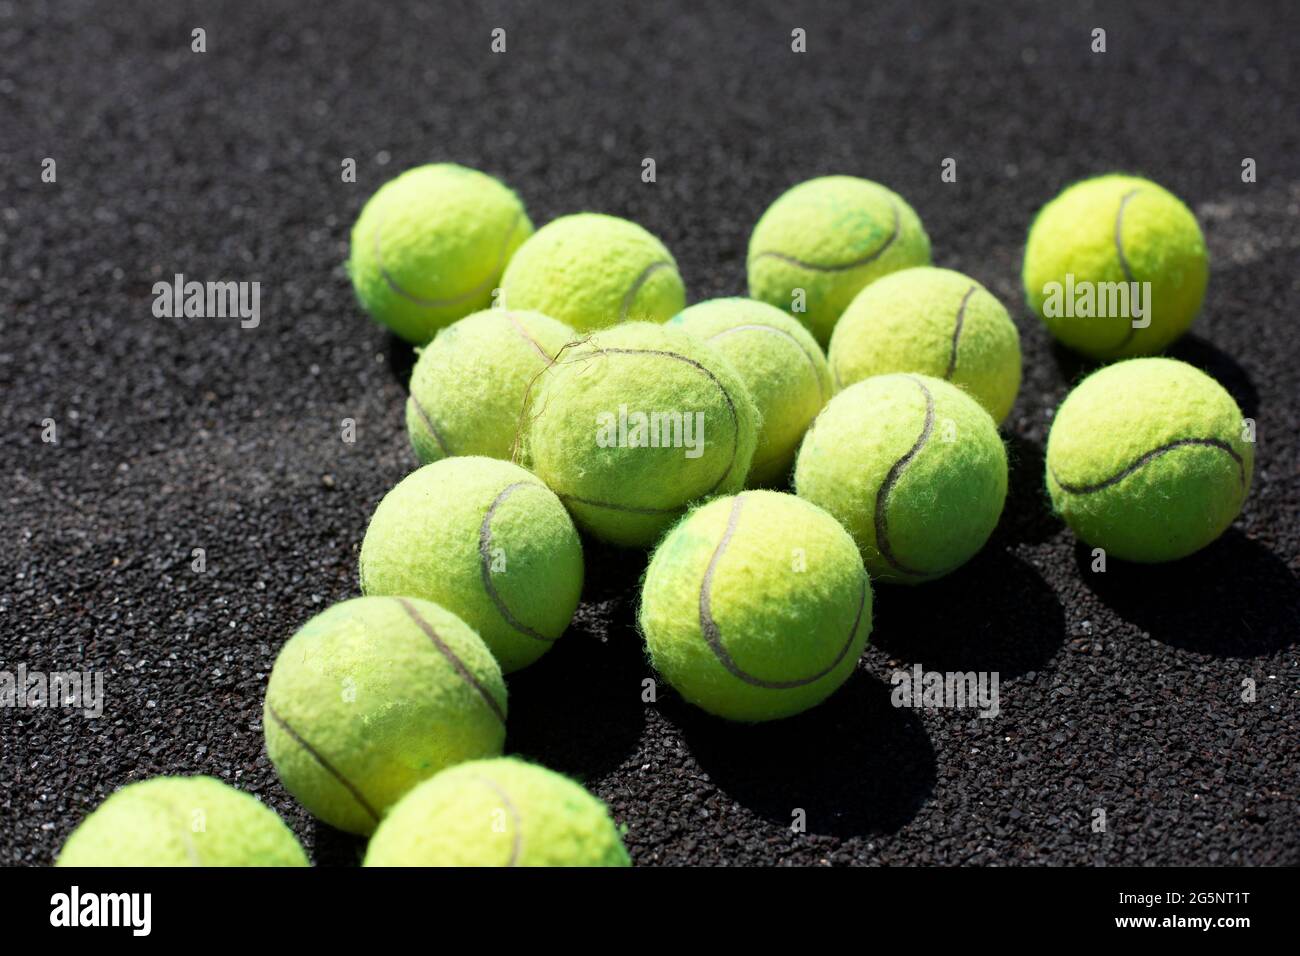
[
  {"x": 1091, "y": 244},
  {"x": 591, "y": 271},
  {"x": 182, "y": 821},
  {"x": 498, "y": 813},
  {"x": 486, "y": 540},
  {"x": 374, "y": 695},
  {"x": 781, "y": 364},
  {"x": 429, "y": 247},
  {"x": 635, "y": 423},
  {"x": 1147, "y": 460},
  {"x": 756, "y": 607},
  {"x": 821, "y": 242},
  {"x": 935, "y": 322},
  {"x": 469, "y": 384},
  {"x": 913, "y": 467}
]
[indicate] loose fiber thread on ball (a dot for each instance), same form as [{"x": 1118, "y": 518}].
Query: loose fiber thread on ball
[{"x": 713, "y": 635}]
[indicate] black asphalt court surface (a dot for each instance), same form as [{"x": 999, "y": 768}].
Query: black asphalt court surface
[{"x": 1161, "y": 700}]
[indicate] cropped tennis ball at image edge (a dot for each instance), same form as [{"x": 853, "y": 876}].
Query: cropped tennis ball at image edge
[
  {"x": 933, "y": 322},
  {"x": 830, "y": 237},
  {"x": 781, "y": 364},
  {"x": 469, "y": 384},
  {"x": 913, "y": 467},
  {"x": 373, "y": 696},
  {"x": 756, "y": 607},
  {"x": 591, "y": 271},
  {"x": 488, "y": 541},
  {"x": 430, "y": 245},
  {"x": 182, "y": 821},
  {"x": 1096, "y": 244},
  {"x": 635, "y": 423},
  {"x": 501, "y": 812},
  {"x": 1148, "y": 460}
]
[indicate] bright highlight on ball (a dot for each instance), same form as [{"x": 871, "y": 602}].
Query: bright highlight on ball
[
  {"x": 782, "y": 366},
  {"x": 498, "y": 813},
  {"x": 1107, "y": 249},
  {"x": 633, "y": 424},
  {"x": 469, "y": 384},
  {"x": 591, "y": 271},
  {"x": 1148, "y": 460},
  {"x": 182, "y": 821},
  {"x": 371, "y": 697},
  {"x": 429, "y": 247},
  {"x": 487, "y": 541},
  {"x": 756, "y": 606},
  {"x": 914, "y": 469},
  {"x": 934, "y": 322},
  {"x": 821, "y": 242}
]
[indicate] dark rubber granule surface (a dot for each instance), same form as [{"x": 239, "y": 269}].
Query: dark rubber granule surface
[{"x": 1120, "y": 692}]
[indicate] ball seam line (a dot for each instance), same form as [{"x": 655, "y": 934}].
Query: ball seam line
[
  {"x": 713, "y": 635},
  {"x": 1145, "y": 458},
  {"x": 516, "y": 837},
  {"x": 457, "y": 664},
  {"x": 428, "y": 423},
  {"x": 1123, "y": 263},
  {"x": 837, "y": 267},
  {"x": 456, "y": 299},
  {"x": 524, "y": 334},
  {"x": 956, "y": 334},
  {"x": 630, "y": 295},
  {"x": 735, "y": 431},
  {"x": 761, "y": 327},
  {"x": 485, "y": 563},
  {"x": 319, "y": 757},
  {"x": 891, "y": 478}
]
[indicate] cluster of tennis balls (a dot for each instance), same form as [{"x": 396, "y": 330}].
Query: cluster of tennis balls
[{"x": 563, "y": 384}]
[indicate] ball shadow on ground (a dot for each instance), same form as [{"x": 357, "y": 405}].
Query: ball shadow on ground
[
  {"x": 855, "y": 764},
  {"x": 401, "y": 357},
  {"x": 994, "y": 614},
  {"x": 578, "y": 710},
  {"x": 333, "y": 847},
  {"x": 1234, "y": 598},
  {"x": 1027, "y": 516}
]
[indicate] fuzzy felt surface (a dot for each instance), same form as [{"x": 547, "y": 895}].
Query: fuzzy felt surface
[
  {"x": 430, "y": 246},
  {"x": 756, "y": 606},
  {"x": 591, "y": 270},
  {"x": 830, "y": 237},
  {"x": 915, "y": 470},
  {"x": 502, "y": 812},
  {"x": 636, "y": 422},
  {"x": 781, "y": 364},
  {"x": 488, "y": 541},
  {"x": 934, "y": 322},
  {"x": 374, "y": 695},
  {"x": 182, "y": 821},
  {"x": 1113, "y": 229},
  {"x": 1147, "y": 459},
  {"x": 468, "y": 388}
]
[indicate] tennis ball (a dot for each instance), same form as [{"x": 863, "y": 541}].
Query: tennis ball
[
  {"x": 1091, "y": 245},
  {"x": 781, "y": 364},
  {"x": 756, "y": 606},
  {"x": 468, "y": 386},
  {"x": 913, "y": 467},
  {"x": 182, "y": 821},
  {"x": 829, "y": 237},
  {"x": 374, "y": 695},
  {"x": 1147, "y": 460},
  {"x": 486, "y": 540},
  {"x": 591, "y": 271},
  {"x": 935, "y": 322},
  {"x": 636, "y": 422},
  {"x": 497, "y": 813},
  {"x": 429, "y": 247}
]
